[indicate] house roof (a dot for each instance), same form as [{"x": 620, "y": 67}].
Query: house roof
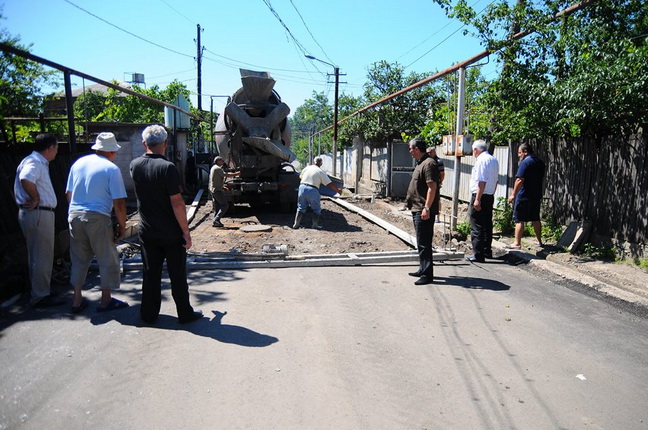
[{"x": 98, "y": 88}]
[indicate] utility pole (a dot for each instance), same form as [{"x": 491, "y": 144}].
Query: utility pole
[
  {"x": 336, "y": 71},
  {"x": 461, "y": 105},
  {"x": 335, "y": 119},
  {"x": 199, "y": 61}
]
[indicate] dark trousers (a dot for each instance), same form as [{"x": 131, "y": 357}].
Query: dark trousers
[
  {"x": 481, "y": 226},
  {"x": 424, "y": 232},
  {"x": 154, "y": 252}
]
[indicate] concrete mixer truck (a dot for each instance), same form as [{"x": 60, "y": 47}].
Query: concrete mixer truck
[{"x": 253, "y": 136}]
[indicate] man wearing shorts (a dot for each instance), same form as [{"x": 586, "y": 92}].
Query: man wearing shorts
[{"x": 527, "y": 194}]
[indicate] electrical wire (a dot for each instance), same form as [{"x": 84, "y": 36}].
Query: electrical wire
[
  {"x": 435, "y": 33},
  {"x": 436, "y": 46},
  {"x": 309, "y": 32},
  {"x": 296, "y": 42},
  {"x": 295, "y": 79},
  {"x": 126, "y": 31},
  {"x": 255, "y": 65},
  {"x": 177, "y": 11},
  {"x": 174, "y": 73}
]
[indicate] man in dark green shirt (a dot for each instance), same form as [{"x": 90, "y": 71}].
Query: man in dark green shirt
[{"x": 423, "y": 201}]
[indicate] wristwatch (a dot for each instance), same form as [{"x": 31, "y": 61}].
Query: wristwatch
[{"x": 426, "y": 207}]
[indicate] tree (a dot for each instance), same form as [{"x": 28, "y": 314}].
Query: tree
[
  {"x": 21, "y": 83},
  {"x": 443, "y": 116},
  {"x": 585, "y": 74},
  {"x": 405, "y": 114},
  {"x": 314, "y": 115}
]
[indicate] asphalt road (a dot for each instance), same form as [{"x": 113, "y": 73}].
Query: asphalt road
[{"x": 489, "y": 346}]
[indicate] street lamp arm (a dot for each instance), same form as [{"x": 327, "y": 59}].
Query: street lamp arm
[{"x": 310, "y": 57}]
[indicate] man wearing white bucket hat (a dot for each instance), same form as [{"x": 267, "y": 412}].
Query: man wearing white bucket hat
[{"x": 95, "y": 186}]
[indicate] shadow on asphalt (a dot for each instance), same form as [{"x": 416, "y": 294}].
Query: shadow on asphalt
[
  {"x": 205, "y": 327},
  {"x": 472, "y": 283}
]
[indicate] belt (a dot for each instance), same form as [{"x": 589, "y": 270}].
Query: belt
[
  {"x": 40, "y": 208},
  {"x": 309, "y": 185}
]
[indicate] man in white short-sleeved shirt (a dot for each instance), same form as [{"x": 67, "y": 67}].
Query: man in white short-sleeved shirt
[
  {"x": 483, "y": 182},
  {"x": 37, "y": 201},
  {"x": 311, "y": 179}
]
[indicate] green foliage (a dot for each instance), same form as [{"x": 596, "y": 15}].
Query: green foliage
[
  {"x": 120, "y": 107},
  {"x": 317, "y": 114},
  {"x": 641, "y": 262},
  {"x": 428, "y": 111},
  {"x": 90, "y": 105},
  {"x": 585, "y": 74},
  {"x": 443, "y": 116},
  {"x": 407, "y": 113},
  {"x": 503, "y": 217},
  {"x": 21, "y": 84},
  {"x": 598, "y": 252},
  {"x": 314, "y": 115},
  {"x": 463, "y": 228},
  {"x": 551, "y": 230}
]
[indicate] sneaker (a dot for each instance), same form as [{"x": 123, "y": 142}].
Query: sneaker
[{"x": 217, "y": 223}]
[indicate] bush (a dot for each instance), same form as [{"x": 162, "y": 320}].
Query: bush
[
  {"x": 551, "y": 230},
  {"x": 641, "y": 262},
  {"x": 463, "y": 229},
  {"x": 503, "y": 219},
  {"x": 598, "y": 252}
]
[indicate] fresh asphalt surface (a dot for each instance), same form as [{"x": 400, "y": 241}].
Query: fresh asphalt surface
[{"x": 489, "y": 346}]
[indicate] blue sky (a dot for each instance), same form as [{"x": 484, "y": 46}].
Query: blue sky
[{"x": 241, "y": 33}]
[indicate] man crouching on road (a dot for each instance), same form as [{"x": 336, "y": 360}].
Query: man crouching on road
[
  {"x": 311, "y": 179},
  {"x": 163, "y": 228},
  {"x": 423, "y": 201}
]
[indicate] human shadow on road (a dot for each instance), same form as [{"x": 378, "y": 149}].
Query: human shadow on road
[
  {"x": 214, "y": 328},
  {"x": 472, "y": 283}
]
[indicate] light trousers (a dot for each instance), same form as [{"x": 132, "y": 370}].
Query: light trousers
[{"x": 38, "y": 228}]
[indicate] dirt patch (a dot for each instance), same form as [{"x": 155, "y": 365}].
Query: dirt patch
[{"x": 343, "y": 231}]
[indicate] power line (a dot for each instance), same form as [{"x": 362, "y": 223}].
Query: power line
[
  {"x": 274, "y": 12},
  {"x": 436, "y": 46},
  {"x": 309, "y": 32},
  {"x": 177, "y": 11},
  {"x": 295, "y": 79},
  {"x": 169, "y": 74},
  {"x": 438, "y": 31},
  {"x": 254, "y": 65},
  {"x": 126, "y": 31},
  {"x": 428, "y": 38}
]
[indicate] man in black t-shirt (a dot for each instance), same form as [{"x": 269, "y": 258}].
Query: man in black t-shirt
[{"x": 163, "y": 228}]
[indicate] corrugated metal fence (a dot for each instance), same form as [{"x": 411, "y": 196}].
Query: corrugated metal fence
[{"x": 467, "y": 162}]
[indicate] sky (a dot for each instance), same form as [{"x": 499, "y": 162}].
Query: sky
[{"x": 113, "y": 39}]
